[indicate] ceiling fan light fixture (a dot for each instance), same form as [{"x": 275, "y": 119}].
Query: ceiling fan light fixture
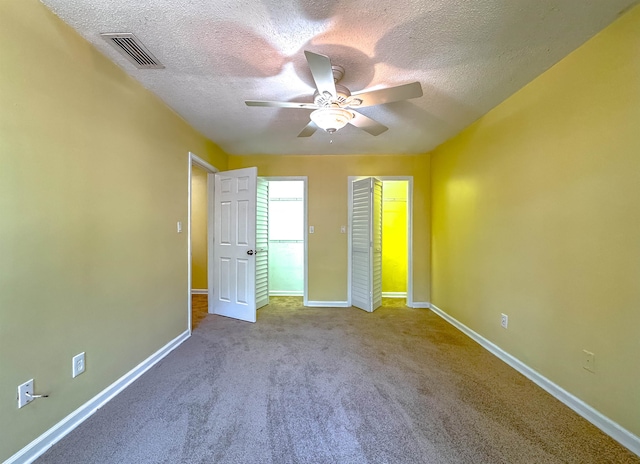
[{"x": 331, "y": 119}]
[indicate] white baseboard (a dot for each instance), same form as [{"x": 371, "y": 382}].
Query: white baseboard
[
  {"x": 45, "y": 441},
  {"x": 421, "y": 304},
  {"x": 327, "y": 304},
  {"x": 394, "y": 294},
  {"x": 611, "y": 428},
  {"x": 199, "y": 291},
  {"x": 286, "y": 293}
]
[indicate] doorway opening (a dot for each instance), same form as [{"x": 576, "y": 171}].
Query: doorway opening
[
  {"x": 239, "y": 238},
  {"x": 200, "y": 236},
  {"x": 287, "y": 245},
  {"x": 380, "y": 255},
  {"x": 395, "y": 259}
]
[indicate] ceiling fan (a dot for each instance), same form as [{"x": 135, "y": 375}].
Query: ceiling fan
[{"x": 334, "y": 105}]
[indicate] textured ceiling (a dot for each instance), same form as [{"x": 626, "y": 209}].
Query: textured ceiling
[{"x": 468, "y": 55}]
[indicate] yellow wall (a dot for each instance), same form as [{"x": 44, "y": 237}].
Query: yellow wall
[
  {"x": 93, "y": 177},
  {"x": 535, "y": 214},
  {"x": 394, "y": 236},
  {"x": 199, "y": 228},
  {"x": 327, "y": 211}
]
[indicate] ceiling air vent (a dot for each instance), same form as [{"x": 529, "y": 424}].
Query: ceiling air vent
[{"x": 127, "y": 44}]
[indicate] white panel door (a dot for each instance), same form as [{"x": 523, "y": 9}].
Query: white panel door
[
  {"x": 366, "y": 244},
  {"x": 233, "y": 245},
  {"x": 262, "y": 244}
]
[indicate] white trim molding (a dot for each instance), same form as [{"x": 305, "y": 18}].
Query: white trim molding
[
  {"x": 611, "y": 428},
  {"x": 199, "y": 291},
  {"x": 37, "y": 447},
  {"x": 327, "y": 304},
  {"x": 394, "y": 294},
  {"x": 286, "y": 293},
  {"x": 420, "y": 304}
]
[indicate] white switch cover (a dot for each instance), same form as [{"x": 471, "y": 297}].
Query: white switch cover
[
  {"x": 78, "y": 365},
  {"x": 343, "y": 229},
  {"x": 312, "y": 229},
  {"x": 179, "y": 227}
]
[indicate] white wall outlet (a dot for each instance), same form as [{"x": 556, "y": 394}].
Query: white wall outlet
[
  {"x": 78, "y": 365},
  {"x": 312, "y": 229},
  {"x": 343, "y": 229},
  {"x": 24, "y": 393},
  {"x": 179, "y": 227},
  {"x": 504, "y": 320},
  {"x": 589, "y": 361}
]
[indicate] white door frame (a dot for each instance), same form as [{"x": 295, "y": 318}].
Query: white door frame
[
  {"x": 409, "y": 180},
  {"x": 211, "y": 170},
  {"x": 304, "y": 179}
]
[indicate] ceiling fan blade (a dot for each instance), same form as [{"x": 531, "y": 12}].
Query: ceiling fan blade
[
  {"x": 320, "y": 66},
  {"x": 309, "y": 130},
  {"x": 274, "y": 104},
  {"x": 388, "y": 95},
  {"x": 367, "y": 124}
]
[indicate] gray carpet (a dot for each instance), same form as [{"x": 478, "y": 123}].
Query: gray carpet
[{"x": 316, "y": 385}]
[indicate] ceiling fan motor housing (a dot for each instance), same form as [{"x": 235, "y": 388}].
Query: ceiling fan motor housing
[{"x": 327, "y": 100}]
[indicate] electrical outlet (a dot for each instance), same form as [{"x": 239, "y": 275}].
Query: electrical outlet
[
  {"x": 24, "y": 393},
  {"x": 504, "y": 320},
  {"x": 589, "y": 361},
  {"x": 78, "y": 365}
]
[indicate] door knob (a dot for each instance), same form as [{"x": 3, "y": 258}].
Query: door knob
[{"x": 249, "y": 252}]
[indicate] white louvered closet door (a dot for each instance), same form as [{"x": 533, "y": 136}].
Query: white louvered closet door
[
  {"x": 366, "y": 244},
  {"x": 376, "y": 246},
  {"x": 262, "y": 244}
]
